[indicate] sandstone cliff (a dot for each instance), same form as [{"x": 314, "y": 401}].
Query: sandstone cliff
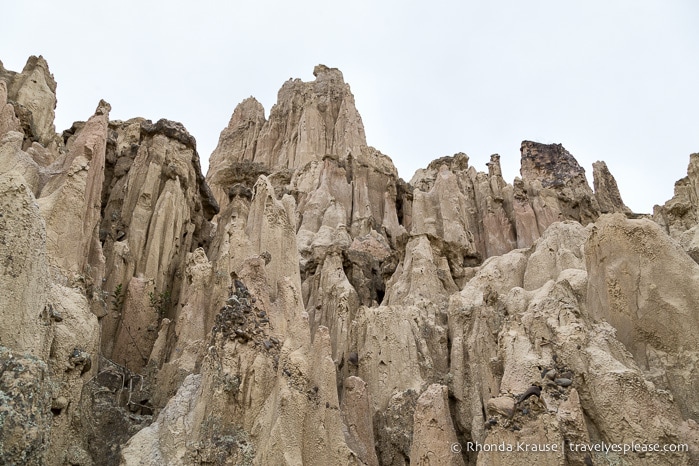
[{"x": 302, "y": 304}]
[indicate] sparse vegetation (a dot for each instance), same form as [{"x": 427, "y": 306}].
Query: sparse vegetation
[
  {"x": 160, "y": 302},
  {"x": 118, "y": 298}
]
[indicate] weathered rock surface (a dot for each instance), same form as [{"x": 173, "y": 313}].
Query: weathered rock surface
[
  {"x": 679, "y": 216},
  {"x": 606, "y": 190},
  {"x": 433, "y": 433},
  {"x": 33, "y": 92},
  {"x": 329, "y": 312},
  {"x": 156, "y": 212},
  {"x": 72, "y": 198},
  {"x": 24, "y": 276},
  {"x": 25, "y": 411},
  {"x": 8, "y": 119},
  {"x": 644, "y": 285}
]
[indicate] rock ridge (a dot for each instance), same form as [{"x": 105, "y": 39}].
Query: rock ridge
[{"x": 302, "y": 304}]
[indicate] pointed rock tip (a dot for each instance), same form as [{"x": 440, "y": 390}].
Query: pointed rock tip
[
  {"x": 40, "y": 62},
  {"x": 103, "y": 108},
  {"x": 249, "y": 108},
  {"x": 34, "y": 60},
  {"x": 321, "y": 70},
  {"x": 250, "y": 103}
]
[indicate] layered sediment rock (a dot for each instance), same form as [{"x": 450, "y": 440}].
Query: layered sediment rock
[
  {"x": 33, "y": 96},
  {"x": 679, "y": 216},
  {"x": 606, "y": 190},
  {"x": 328, "y": 312}
]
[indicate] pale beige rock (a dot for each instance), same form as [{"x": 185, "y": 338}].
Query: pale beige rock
[
  {"x": 422, "y": 279},
  {"x": 570, "y": 414},
  {"x": 139, "y": 322},
  {"x": 71, "y": 201},
  {"x": 502, "y": 405},
  {"x": 155, "y": 213},
  {"x": 442, "y": 213},
  {"x": 475, "y": 318},
  {"x": 333, "y": 303},
  {"x": 8, "y": 119},
  {"x": 35, "y": 90},
  {"x": 306, "y": 320},
  {"x": 309, "y": 120},
  {"x": 390, "y": 356},
  {"x": 283, "y": 407},
  {"x": 323, "y": 114},
  {"x": 606, "y": 190},
  {"x": 24, "y": 274},
  {"x": 356, "y": 415},
  {"x": 681, "y": 213},
  {"x": 300, "y": 430},
  {"x": 197, "y": 295},
  {"x": 547, "y": 327},
  {"x": 13, "y": 158},
  {"x": 271, "y": 228},
  {"x": 164, "y": 441},
  {"x": 498, "y": 217},
  {"x": 558, "y": 249},
  {"x": 643, "y": 284},
  {"x": 325, "y": 215},
  {"x": 433, "y": 431},
  {"x": 238, "y": 142},
  {"x": 73, "y": 361},
  {"x": 689, "y": 240}
]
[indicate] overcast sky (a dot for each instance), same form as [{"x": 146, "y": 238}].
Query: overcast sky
[{"x": 611, "y": 80}]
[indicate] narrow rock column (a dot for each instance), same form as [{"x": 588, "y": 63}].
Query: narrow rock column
[{"x": 434, "y": 437}]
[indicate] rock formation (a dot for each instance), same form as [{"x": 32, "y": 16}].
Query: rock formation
[
  {"x": 679, "y": 216},
  {"x": 302, "y": 304}
]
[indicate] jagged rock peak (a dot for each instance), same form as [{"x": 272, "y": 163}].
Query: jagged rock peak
[
  {"x": 606, "y": 190},
  {"x": 33, "y": 94},
  {"x": 458, "y": 161},
  {"x": 310, "y": 120},
  {"x": 551, "y": 164},
  {"x": 679, "y": 215},
  {"x": 171, "y": 129},
  {"x": 33, "y": 63},
  {"x": 324, "y": 71},
  {"x": 103, "y": 108},
  {"x": 246, "y": 109}
]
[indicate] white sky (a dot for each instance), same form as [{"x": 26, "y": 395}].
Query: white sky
[{"x": 611, "y": 80}]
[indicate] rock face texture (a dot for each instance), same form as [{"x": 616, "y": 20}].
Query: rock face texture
[
  {"x": 679, "y": 216},
  {"x": 302, "y": 304}
]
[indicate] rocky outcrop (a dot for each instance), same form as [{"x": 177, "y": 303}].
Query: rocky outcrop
[
  {"x": 25, "y": 413},
  {"x": 650, "y": 302},
  {"x": 8, "y": 119},
  {"x": 72, "y": 197},
  {"x": 33, "y": 96},
  {"x": 51, "y": 330},
  {"x": 328, "y": 312},
  {"x": 548, "y": 339},
  {"x": 556, "y": 185},
  {"x": 679, "y": 216},
  {"x": 606, "y": 190},
  {"x": 154, "y": 214},
  {"x": 433, "y": 434},
  {"x": 308, "y": 121},
  {"x": 24, "y": 275}
]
